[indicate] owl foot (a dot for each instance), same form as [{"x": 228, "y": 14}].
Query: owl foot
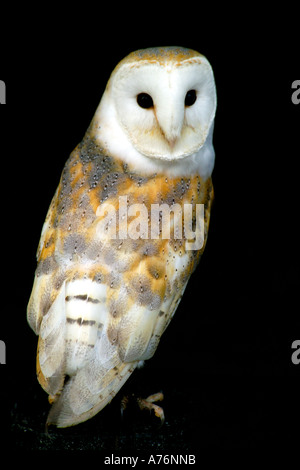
[{"x": 147, "y": 403}]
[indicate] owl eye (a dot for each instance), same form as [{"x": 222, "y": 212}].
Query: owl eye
[
  {"x": 144, "y": 100},
  {"x": 190, "y": 98}
]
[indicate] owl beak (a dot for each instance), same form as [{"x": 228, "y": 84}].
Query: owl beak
[
  {"x": 171, "y": 126},
  {"x": 171, "y": 141}
]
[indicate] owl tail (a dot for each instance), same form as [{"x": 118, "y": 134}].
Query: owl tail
[{"x": 87, "y": 393}]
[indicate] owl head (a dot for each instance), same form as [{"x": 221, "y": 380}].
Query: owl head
[{"x": 158, "y": 110}]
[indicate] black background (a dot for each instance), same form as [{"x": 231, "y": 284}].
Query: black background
[{"x": 224, "y": 363}]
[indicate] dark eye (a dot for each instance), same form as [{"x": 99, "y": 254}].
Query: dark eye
[
  {"x": 190, "y": 98},
  {"x": 144, "y": 100}
]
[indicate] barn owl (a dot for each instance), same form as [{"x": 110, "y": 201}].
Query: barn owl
[{"x": 103, "y": 294}]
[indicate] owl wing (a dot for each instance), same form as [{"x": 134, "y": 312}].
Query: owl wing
[
  {"x": 80, "y": 363},
  {"x": 77, "y": 364},
  {"x": 85, "y": 354}
]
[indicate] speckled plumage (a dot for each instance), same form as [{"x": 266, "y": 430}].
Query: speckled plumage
[{"x": 100, "y": 305}]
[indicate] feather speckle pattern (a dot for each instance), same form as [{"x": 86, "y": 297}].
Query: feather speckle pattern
[{"x": 101, "y": 300}]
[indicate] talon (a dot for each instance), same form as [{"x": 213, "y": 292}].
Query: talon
[
  {"x": 124, "y": 404},
  {"x": 159, "y": 412},
  {"x": 47, "y": 430}
]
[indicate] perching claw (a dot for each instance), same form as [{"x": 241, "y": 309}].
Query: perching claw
[{"x": 148, "y": 403}]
